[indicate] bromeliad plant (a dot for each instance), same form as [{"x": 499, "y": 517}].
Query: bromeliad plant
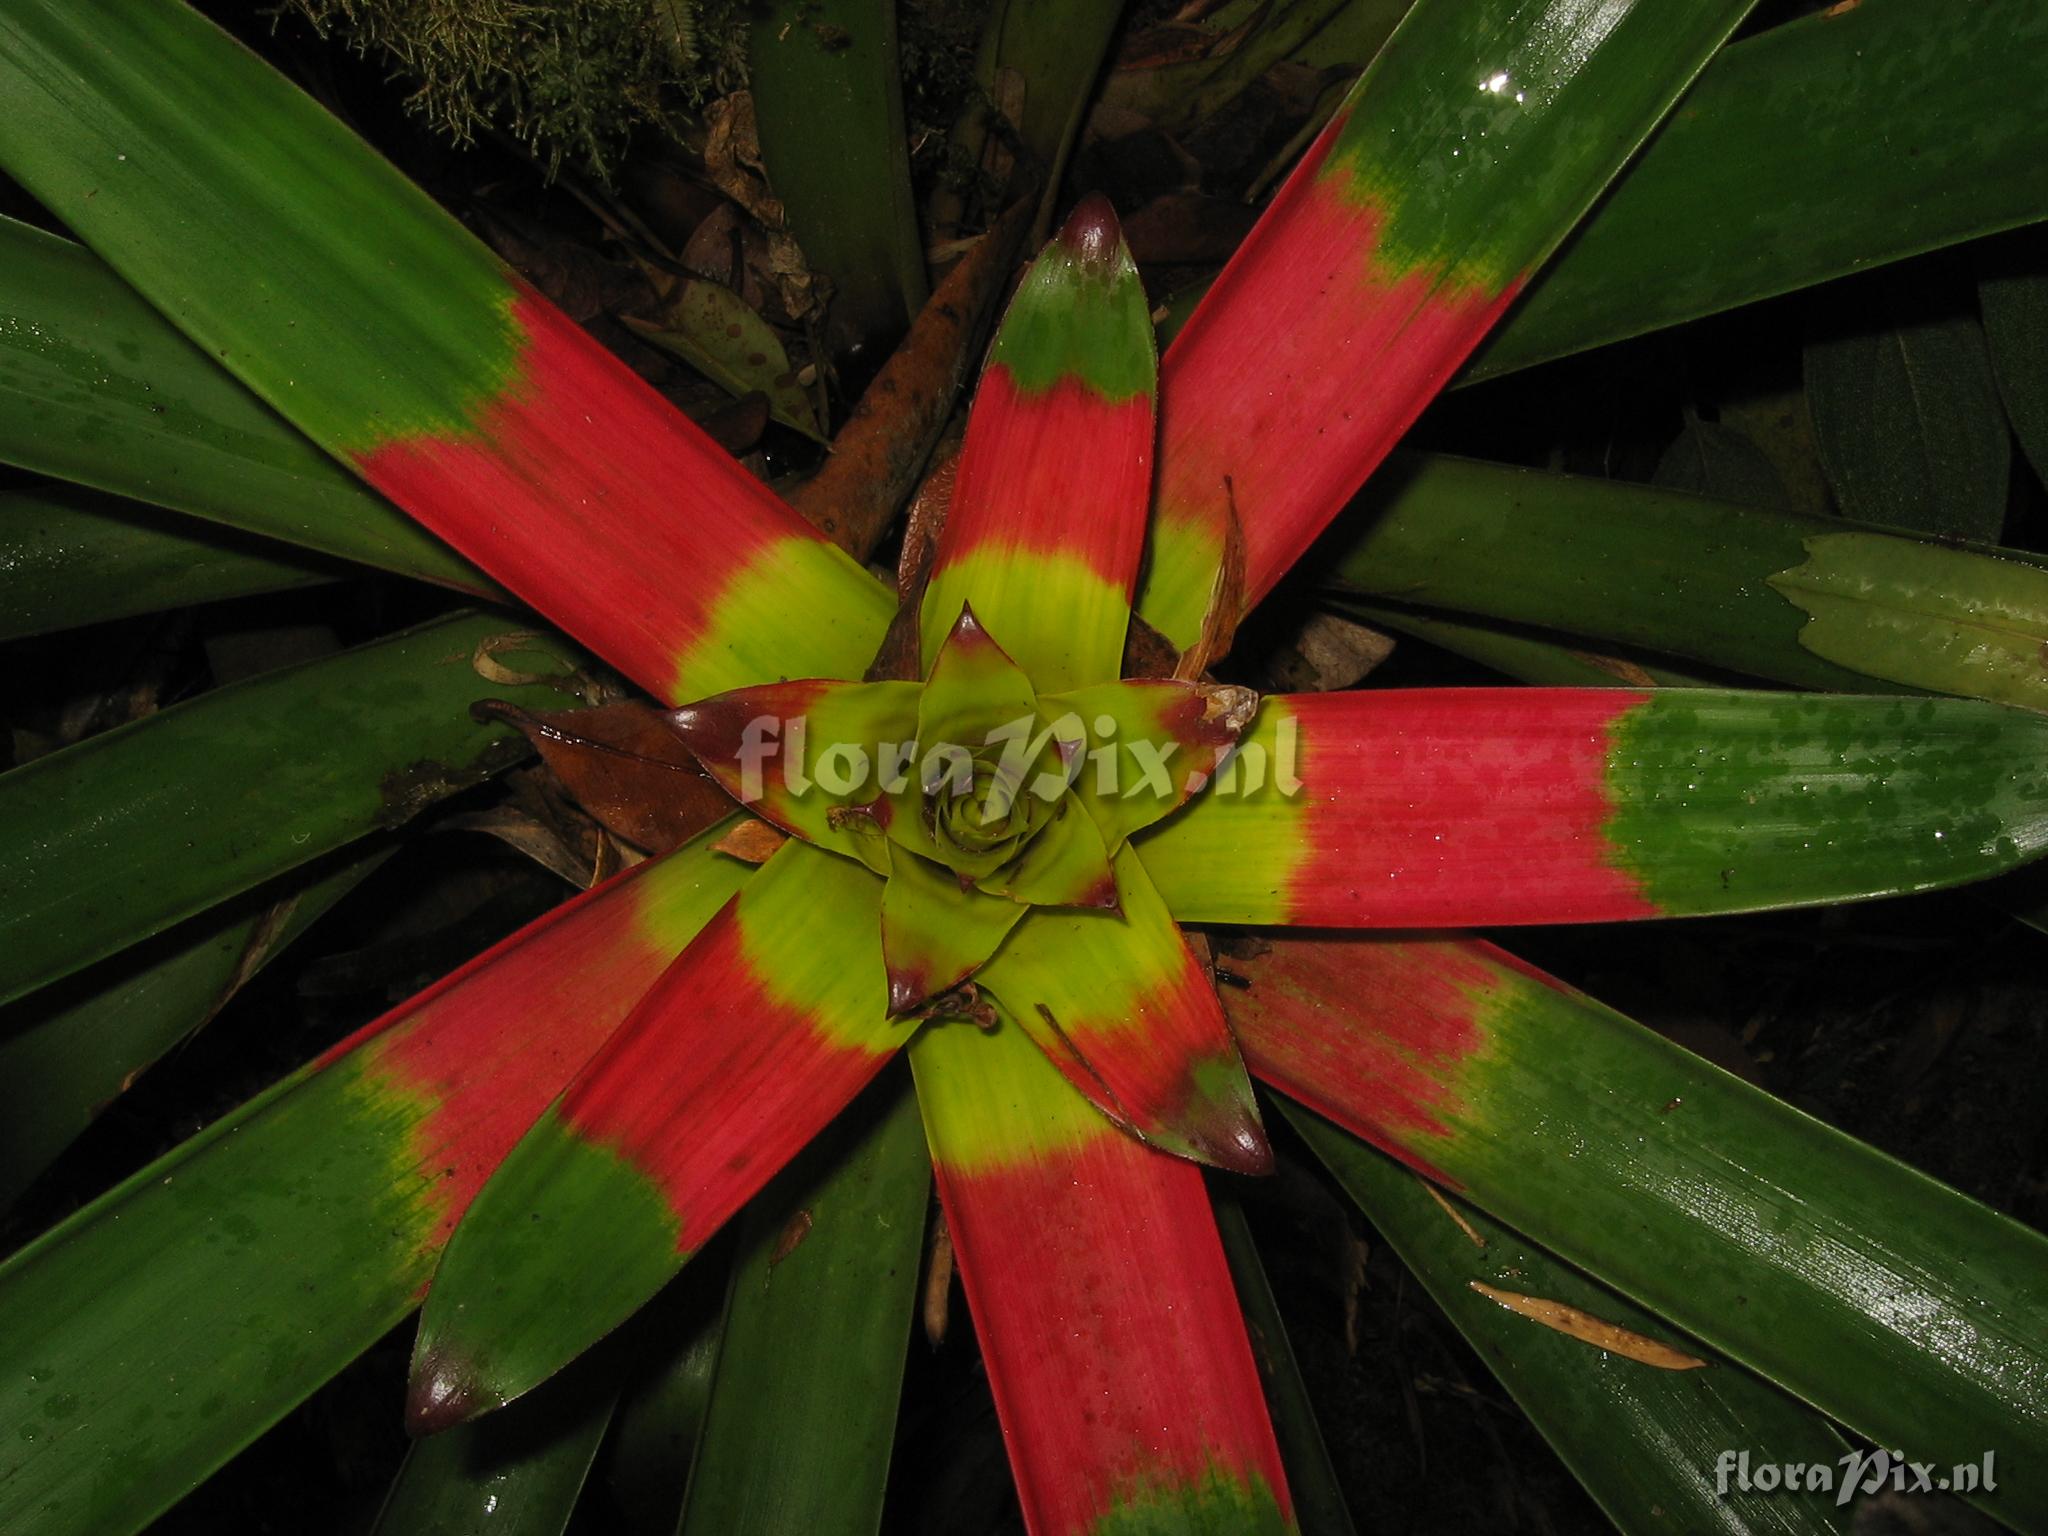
[{"x": 1005, "y": 789}]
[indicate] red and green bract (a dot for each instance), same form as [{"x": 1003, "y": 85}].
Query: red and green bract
[
  {"x": 1464, "y": 154},
  {"x": 1119, "y": 1362}
]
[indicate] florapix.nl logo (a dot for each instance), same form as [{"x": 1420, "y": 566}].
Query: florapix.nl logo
[
  {"x": 1029, "y": 755},
  {"x": 1859, "y": 1472}
]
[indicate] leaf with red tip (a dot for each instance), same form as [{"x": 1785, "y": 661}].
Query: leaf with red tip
[
  {"x": 1108, "y": 1323},
  {"x": 972, "y": 685},
  {"x": 1053, "y": 488},
  {"x": 1473, "y": 806},
  {"x": 1123, "y": 1008},
  {"x": 1465, "y": 153},
  {"x": 395, "y": 340},
  {"x": 936, "y": 932},
  {"x": 805, "y": 754},
  {"x": 761, "y": 1031},
  {"x": 1149, "y": 745}
]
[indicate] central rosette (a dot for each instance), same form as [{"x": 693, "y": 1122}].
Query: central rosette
[{"x": 974, "y": 796}]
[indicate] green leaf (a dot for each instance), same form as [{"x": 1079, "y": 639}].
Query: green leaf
[
  {"x": 1319, "y": 1508},
  {"x": 1645, "y": 1442},
  {"x": 1772, "y": 173},
  {"x": 646, "y": 1460},
  {"x": 1528, "y": 656},
  {"x": 1804, "y": 600},
  {"x": 718, "y": 333},
  {"x": 69, "y": 558},
  {"x": 69, "y": 1051},
  {"x": 1906, "y": 413},
  {"x": 97, "y": 387},
  {"x": 515, "y": 1473},
  {"x": 119, "y": 837},
  {"x": 829, "y": 111},
  {"x": 2013, "y": 295},
  {"x": 1892, "y": 1303},
  {"x": 803, "y": 1408},
  {"x": 1037, "y": 61},
  {"x": 1711, "y": 459},
  {"x": 160, "y": 1329},
  {"x": 1932, "y": 617}
]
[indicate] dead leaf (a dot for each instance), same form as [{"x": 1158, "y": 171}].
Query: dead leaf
[
  {"x": 1226, "y": 603},
  {"x": 1588, "y": 1329},
  {"x": 938, "y": 1282},
  {"x": 1328, "y": 653},
  {"x": 1453, "y": 1212},
  {"x": 798, "y": 1229},
  {"x": 623, "y": 765},
  {"x": 751, "y": 841},
  {"x": 1615, "y": 667},
  {"x": 732, "y": 158},
  {"x": 534, "y": 838}
]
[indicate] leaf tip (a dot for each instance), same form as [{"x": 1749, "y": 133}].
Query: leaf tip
[
  {"x": 443, "y": 1393},
  {"x": 1092, "y": 236}
]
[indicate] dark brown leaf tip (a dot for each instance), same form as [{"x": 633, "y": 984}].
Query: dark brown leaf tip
[
  {"x": 1092, "y": 236},
  {"x": 907, "y": 988},
  {"x": 442, "y": 1395},
  {"x": 1236, "y": 1142}
]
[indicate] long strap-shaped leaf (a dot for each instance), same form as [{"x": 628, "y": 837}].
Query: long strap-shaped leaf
[
  {"x": 1813, "y": 601},
  {"x": 1769, "y": 178},
  {"x": 756, "y": 1036},
  {"x": 1319, "y": 1501},
  {"x": 1102, "y": 1300},
  {"x": 1435, "y": 807},
  {"x": 69, "y": 558},
  {"x": 1909, "y": 1312},
  {"x": 115, "y": 839},
  {"x": 1652, "y": 1443},
  {"x": 100, "y": 389},
  {"x": 337, "y": 291},
  {"x": 140, "y": 1358},
  {"x": 1047, "y": 520},
  {"x": 1466, "y": 152},
  {"x": 514, "y": 1474},
  {"x": 69, "y": 1052},
  {"x": 802, "y": 1412}
]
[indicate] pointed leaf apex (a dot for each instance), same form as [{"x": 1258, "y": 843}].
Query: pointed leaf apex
[
  {"x": 1092, "y": 236},
  {"x": 1236, "y": 1143},
  {"x": 1103, "y": 895},
  {"x": 906, "y": 990},
  {"x": 442, "y": 1394}
]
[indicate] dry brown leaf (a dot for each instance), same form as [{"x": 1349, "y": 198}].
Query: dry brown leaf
[
  {"x": 798, "y": 1229},
  {"x": 1588, "y": 1329},
  {"x": 732, "y": 158},
  {"x": 623, "y": 765},
  {"x": 1226, "y": 603},
  {"x": 938, "y": 1282},
  {"x": 1627, "y": 671},
  {"x": 1453, "y": 1212},
  {"x": 751, "y": 841}
]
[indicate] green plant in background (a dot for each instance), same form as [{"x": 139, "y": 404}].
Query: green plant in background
[
  {"x": 568, "y": 80},
  {"x": 541, "y": 1141}
]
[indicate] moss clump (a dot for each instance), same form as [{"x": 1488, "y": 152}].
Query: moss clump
[{"x": 569, "y": 78}]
